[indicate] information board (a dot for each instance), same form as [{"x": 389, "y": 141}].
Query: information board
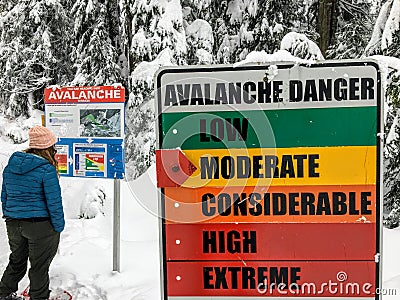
[
  {"x": 90, "y": 122},
  {"x": 270, "y": 180}
]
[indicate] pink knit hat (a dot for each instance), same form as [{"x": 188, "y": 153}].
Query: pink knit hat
[{"x": 41, "y": 138}]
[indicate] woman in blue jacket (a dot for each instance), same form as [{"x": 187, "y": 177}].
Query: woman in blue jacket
[{"x": 32, "y": 208}]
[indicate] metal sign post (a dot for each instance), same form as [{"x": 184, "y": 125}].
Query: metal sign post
[{"x": 116, "y": 226}]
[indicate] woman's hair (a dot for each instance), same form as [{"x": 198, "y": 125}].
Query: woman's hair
[{"x": 48, "y": 153}]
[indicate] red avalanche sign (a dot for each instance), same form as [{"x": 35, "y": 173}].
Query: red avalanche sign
[{"x": 83, "y": 94}]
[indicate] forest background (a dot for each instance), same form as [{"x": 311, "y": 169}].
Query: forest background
[{"x": 103, "y": 42}]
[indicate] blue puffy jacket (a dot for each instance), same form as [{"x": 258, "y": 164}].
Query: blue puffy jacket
[{"x": 31, "y": 189}]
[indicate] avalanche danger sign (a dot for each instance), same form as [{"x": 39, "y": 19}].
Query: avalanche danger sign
[{"x": 270, "y": 181}]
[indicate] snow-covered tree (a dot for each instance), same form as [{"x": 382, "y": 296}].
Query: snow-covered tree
[
  {"x": 34, "y": 43},
  {"x": 341, "y": 26},
  {"x": 124, "y": 35},
  {"x": 200, "y": 40},
  {"x": 273, "y": 20},
  {"x": 392, "y": 153},
  {"x": 385, "y": 29},
  {"x": 253, "y": 25},
  {"x": 156, "y": 25},
  {"x": 392, "y": 164},
  {"x": 301, "y": 46},
  {"x": 354, "y": 25},
  {"x": 140, "y": 135},
  {"x": 208, "y": 11},
  {"x": 238, "y": 28},
  {"x": 158, "y": 38},
  {"x": 242, "y": 26},
  {"x": 93, "y": 203},
  {"x": 95, "y": 55}
]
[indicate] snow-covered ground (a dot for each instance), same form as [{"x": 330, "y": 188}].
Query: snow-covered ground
[{"x": 84, "y": 263}]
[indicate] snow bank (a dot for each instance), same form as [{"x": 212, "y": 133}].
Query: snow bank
[
  {"x": 387, "y": 61},
  {"x": 300, "y": 45},
  {"x": 262, "y": 57},
  {"x": 145, "y": 71},
  {"x": 17, "y": 130}
]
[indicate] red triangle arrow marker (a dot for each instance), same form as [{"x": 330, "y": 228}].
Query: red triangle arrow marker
[{"x": 173, "y": 168}]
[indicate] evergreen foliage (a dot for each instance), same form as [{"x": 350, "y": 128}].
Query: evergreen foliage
[
  {"x": 156, "y": 25},
  {"x": 385, "y": 39},
  {"x": 394, "y": 50},
  {"x": 392, "y": 180},
  {"x": 392, "y": 153},
  {"x": 351, "y": 27},
  {"x": 34, "y": 40},
  {"x": 200, "y": 42},
  {"x": 242, "y": 26},
  {"x": 94, "y": 54},
  {"x": 157, "y": 35},
  {"x": 273, "y": 23},
  {"x": 354, "y": 26},
  {"x": 387, "y": 42}
]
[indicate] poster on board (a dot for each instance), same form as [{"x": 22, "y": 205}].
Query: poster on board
[
  {"x": 90, "y": 160},
  {"x": 62, "y": 158},
  {"x": 90, "y": 124}
]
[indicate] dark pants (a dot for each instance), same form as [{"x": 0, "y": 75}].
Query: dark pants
[{"x": 36, "y": 241}]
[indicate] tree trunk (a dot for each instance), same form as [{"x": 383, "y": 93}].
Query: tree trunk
[{"x": 327, "y": 20}]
